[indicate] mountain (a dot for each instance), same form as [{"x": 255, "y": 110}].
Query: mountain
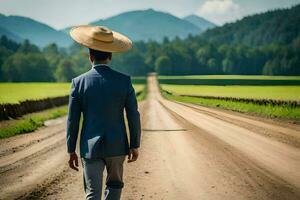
[
  {"x": 38, "y": 33},
  {"x": 149, "y": 25},
  {"x": 10, "y": 35},
  {"x": 277, "y": 26},
  {"x": 200, "y": 22}
]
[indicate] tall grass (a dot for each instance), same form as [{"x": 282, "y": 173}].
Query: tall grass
[
  {"x": 30, "y": 122},
  {"x": 282, "y": 111}
]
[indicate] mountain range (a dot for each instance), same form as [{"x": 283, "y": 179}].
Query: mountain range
[
  {"x": 138, "y": 25},
  {"x": 200, "y": 22},
  {"x": 151, "y": 25},
  {"x": 19, "y": 28},
  {"x": 10, "y": 35},
  {"x": 279, "y": 26}
]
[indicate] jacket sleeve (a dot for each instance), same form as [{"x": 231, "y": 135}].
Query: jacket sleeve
[
  {"x": 133, "y": 117},
  {"x": 73, "y": 119}
]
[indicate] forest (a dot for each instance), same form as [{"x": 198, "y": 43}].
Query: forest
[{"x": 263, "y": 44}]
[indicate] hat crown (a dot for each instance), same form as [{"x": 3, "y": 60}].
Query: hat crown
[
  {"x": 102, "y": 33},
  {"x": 100, "y": 38}
]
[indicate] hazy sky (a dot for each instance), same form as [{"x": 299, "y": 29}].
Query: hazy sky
[{"x": 63, "y": 13}]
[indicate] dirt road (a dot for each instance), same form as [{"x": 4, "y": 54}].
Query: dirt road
[{"x": 188, "y": 152}]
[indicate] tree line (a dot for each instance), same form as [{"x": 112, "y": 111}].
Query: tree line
[
  {"x": 197, "y": 56},
  {"x": 27, "y": 63}
]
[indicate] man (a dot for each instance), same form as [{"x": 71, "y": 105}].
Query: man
[{"x": 101, "y": 95}]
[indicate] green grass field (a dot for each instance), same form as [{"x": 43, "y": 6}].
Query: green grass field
[
  {"x": 283, "y": 112},
  {"x": 253, "y": 77},
  {"x": 138, "y": 80},
  {"x": 15, "y": 92},
  {"x": 230, "y": 80},
  {"x": 252, "y": 87},
  {"x": 256, "y": 92}
]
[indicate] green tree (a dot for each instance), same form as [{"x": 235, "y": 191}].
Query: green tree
[
  {"x": 65, "y": 71},
  {"x": 4, "y": 54},
  {"x": 26, "y": 47},
  {"x": 52, "y": 55},
  {"x": 272, "y": 67},
  {"x": 132, "y": 63},
  {"x": 8, "y": 44},
  {"x": 213, "y": 65},
  {"x": 293, "y": 66},
  {"x": 31, "y": 67},
  {"x": 227, "y": 66},
  {"x": 163, "y": 66}
]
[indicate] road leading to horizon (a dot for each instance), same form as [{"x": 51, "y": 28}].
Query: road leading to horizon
[{"x": 188, "y": 152}]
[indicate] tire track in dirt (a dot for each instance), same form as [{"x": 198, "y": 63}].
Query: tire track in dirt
[
  {"x": 283, "y": 132},
  {"x": 40, "y": 155}
]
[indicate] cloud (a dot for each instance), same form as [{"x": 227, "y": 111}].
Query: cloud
[{"x": 220, "y": 11}]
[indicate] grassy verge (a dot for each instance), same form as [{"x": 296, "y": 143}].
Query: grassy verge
[
  {"x": 33, "y": 121},
  {"x": 141, "y": 95},
  {"x": 30, "y": 122},
  {"x": 283, "y": 112},
  {"x": 291, "y": 93},
  {"x": 230, "y": 80}
]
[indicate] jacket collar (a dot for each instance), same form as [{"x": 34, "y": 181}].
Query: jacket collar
[{"x": 100, "y": 65}]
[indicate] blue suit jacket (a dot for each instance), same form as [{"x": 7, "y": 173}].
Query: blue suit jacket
[{"x": 101, "y": 95}]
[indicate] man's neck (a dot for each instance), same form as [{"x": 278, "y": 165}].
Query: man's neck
[{"x": 104, "y": 62}]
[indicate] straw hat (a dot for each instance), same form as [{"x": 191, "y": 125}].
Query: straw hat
[{"x": 100, "y": 38}]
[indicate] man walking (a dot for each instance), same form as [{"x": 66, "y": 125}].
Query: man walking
[{"x": 101, "y": 95}]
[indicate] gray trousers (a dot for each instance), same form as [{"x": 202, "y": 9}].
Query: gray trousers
[{"x": 93, "y": 177}]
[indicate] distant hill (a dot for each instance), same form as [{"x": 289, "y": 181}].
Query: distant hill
[
  {"x": 38, "y": 33},
  {"x": 10, "y": 35},
  {"x": 280, "y": 26},
  {"x": 149, "y": 24},
  {"x": 200, "y": 22}
]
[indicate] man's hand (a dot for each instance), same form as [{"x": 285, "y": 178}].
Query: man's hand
[
  {"x": 133, "y": 155},
  {"x": 73, "y": 161}
]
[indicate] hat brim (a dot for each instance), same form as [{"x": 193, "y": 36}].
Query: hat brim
[{"x": 81, "y": 35}]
